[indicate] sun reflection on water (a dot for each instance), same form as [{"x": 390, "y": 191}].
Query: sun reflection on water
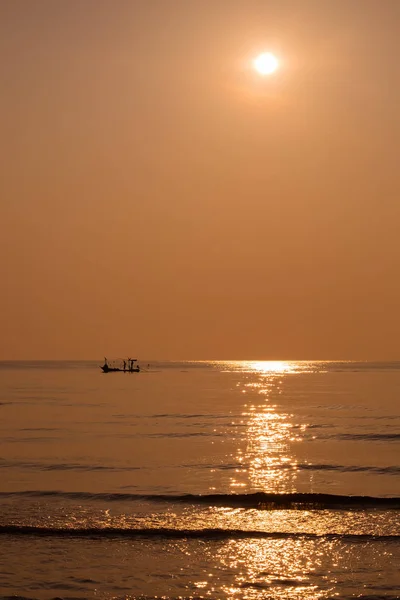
[
  {"x": 267, "y": 458},
  {"x": 268, "y": 450},
  {"x": 272, "y": 367},
  {"x": 280, "y": 568},
  {"x": 268, "y": 367}
]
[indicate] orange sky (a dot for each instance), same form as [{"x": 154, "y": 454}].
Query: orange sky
[{"x": 158, "y": 198}]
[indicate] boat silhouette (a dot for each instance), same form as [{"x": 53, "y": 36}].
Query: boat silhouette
[{"x": 128, "y": 366}]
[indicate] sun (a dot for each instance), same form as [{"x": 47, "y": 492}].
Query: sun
[{"x": 266, "y": 63}]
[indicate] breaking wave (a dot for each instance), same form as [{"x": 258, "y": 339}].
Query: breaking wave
[
  {"x": 209, "y": 534},
  {"x": 258, "y": 500}
]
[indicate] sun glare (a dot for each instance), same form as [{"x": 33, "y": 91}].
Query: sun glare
[
  {"x": 266, "y": 63},
  {"x": 272, "y": 367}
]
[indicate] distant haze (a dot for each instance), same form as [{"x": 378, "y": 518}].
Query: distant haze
[{"x": 159, "y": 198}]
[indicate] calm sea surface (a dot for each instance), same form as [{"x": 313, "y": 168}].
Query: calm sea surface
[{"x": 237, "y": 480}]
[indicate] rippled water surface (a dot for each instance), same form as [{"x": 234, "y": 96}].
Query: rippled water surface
[{"x": 200, "y": 480}]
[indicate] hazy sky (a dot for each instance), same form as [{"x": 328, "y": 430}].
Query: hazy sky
[{"x": 159, "y": 198}]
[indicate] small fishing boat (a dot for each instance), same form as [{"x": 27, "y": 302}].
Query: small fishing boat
[{"x": 128, "y": 365}]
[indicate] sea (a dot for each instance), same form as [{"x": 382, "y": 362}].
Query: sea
[{"x": 207, "y": 479}]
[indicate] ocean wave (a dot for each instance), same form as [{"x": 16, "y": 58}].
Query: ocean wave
[
  {"x": 169, "y": 533},
  {"x": 376, "y": 470},
  {"x": 41, "y": 466},
  {"x": 389, "y": 470},
  {"x": 60, "y": 466},
  {"x": 258, "y": 500},
  {"x": 379, "y": 437},
  {"x": 253, "y": 586},
  {"x": 353, "y": 437}
]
